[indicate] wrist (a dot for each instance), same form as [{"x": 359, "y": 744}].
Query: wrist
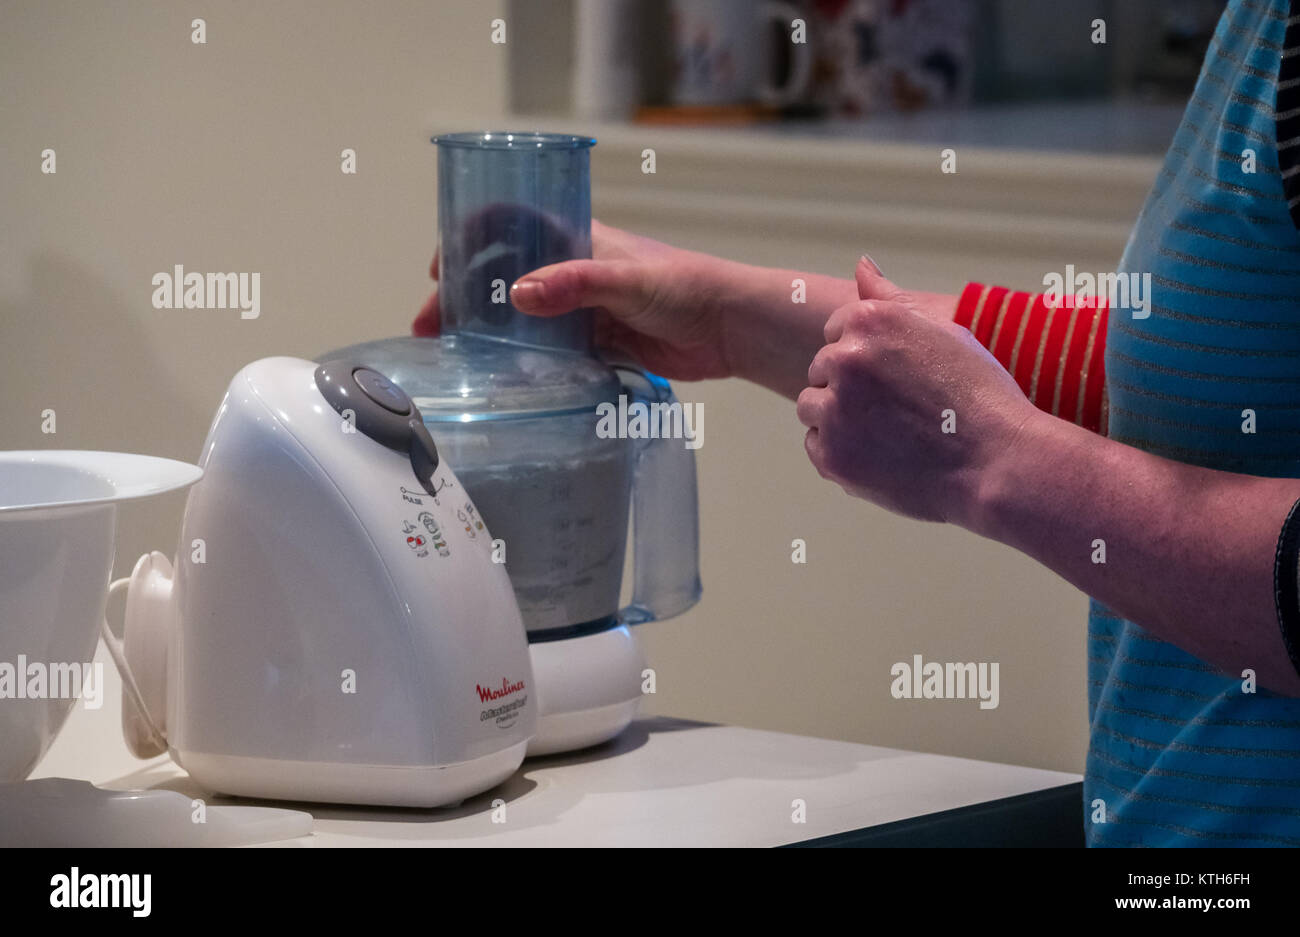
[
  {"x": 773, "y": 320},
  {"x": 700, "y": 287},
  {"x": 735, "y": 296},
  {"x": 1016, "y": 464},
  {"x": 939, "y": 307}
]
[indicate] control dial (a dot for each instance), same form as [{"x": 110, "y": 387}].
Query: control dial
[{"x": 381, "y": 410}]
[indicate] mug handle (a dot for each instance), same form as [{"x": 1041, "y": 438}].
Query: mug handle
[
  {"x": 153, "y": 743},
  {"x": 801, "y": 59},
  {"x": 142, "y": 638}
]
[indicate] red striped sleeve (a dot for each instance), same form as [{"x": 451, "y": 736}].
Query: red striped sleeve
[
  {"x": 986, "y": 316},
  {"x": 1056, "y": 355},
  {"x": 1005, "y": 339},
  {"x": 1095, "y": 383},
  {"x": 1043, "y": 386},
  {"x": 1022, "y": 364},
  {"x": 1066, "y": 402},
  {"x": 970, "y": 298}
]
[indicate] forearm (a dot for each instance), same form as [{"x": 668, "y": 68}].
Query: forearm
[
  {"x": 1189, "y": 552},
  {"x": 773, "y": 320}
]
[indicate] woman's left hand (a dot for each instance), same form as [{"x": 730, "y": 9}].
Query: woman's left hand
[{"x": 907, "y": 411}]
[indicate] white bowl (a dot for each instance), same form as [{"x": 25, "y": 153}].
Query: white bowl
[{"x": 57, "y": 518}]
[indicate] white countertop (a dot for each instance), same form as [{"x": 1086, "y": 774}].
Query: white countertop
[{"x": 663, "y": 782}]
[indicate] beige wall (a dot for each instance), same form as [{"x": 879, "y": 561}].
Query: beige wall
[{"x": 225, "y": 156}]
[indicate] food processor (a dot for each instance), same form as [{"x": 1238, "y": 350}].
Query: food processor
[
  {"x": 338, "y": 636},
  {"x": 515, "y": 402}
]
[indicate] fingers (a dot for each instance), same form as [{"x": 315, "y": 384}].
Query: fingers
[
  {"x": 819, "y": 372},
  {"x": 812, "y": 444},
  {"x": 875, "y": 267},
  {"x": 811, "y": 405},
  {"x": 610, "y": 243},
  {"x": 872, "y": 283},
  {"x": 863, "y": 319},
  {"x": 616, "y": 339},
  {"x": 834, "y": 329},
  {"x": 851, "y": 316},
  {"x": 617, "y": 285},
  {"x": 428, "y": 322},
  {"x": 513, "y": 226}
]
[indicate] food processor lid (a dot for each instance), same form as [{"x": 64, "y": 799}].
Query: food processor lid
[
  {"x": 514, "y": 140},
  {"x": 466, "y": 378}
]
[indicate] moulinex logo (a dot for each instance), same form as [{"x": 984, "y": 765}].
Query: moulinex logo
[{"x": 487, "y": 694}]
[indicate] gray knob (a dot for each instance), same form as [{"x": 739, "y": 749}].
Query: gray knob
[
  {"x": 382, "y": 411},
  {"x": 382, "y": 391}
]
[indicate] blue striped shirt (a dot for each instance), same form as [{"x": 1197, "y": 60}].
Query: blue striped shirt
[{"x": 1181, "y": 753}]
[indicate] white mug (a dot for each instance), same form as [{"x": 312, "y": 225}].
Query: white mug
[{"x": 721, "y": 53}]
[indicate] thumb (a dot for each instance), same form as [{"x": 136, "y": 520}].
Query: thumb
[
  {"x": 617, "y": 285},
  {"x": 872, "y": 283}
]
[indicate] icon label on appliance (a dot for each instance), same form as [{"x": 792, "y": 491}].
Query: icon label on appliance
[
  {"x": 466, "y": 524},
  {"x": 440, "y": 484},
  {"x": 412, "y": 497},
  {"x": 470, "y": 519},
  {"x": 435, "y": 533},
  {"x": 418, "y": 542}
]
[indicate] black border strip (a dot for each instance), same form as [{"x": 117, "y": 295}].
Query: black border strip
[{"x": 1051, "y": 818}]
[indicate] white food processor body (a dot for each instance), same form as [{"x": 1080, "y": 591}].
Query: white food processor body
[
  {"x": 331, "y": 629},
  {"x": 522, "y": 407}
]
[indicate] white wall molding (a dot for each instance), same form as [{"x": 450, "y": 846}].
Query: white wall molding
[
  {"x": 1043, "y": 208},
  {"x": 1048, "y": 206}
]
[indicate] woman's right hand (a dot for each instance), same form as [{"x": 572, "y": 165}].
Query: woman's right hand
[{"x": 653, "y": 302}]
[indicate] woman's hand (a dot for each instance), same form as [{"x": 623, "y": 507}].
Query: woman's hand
[
  {"x": 872, "y": 284},
  {"x": 653, "y": 302},
  {"x": 689, "y": 316},
  {"x": 907, "y": 409},
  {"x": 428, "y": 321}
]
